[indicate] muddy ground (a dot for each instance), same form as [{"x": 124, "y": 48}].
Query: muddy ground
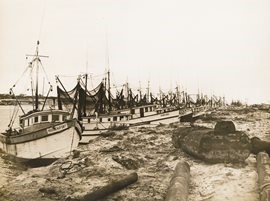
[{"x": 149, "y": 152}]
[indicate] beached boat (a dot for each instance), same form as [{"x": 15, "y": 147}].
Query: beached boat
[
  {"x": 99, "y": 111},
  {"x": 43, "y": 133}
]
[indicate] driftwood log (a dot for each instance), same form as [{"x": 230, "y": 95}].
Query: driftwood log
[
  {"x": 179, "y": 184},
  {"x": 263, "y": 168},
  {"x": 258, "y": 145},
  {"x": 111, "y": 188}
]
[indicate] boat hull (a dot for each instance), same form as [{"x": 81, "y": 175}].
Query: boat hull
[
  {"x": 164, "y": 117},
  {"x": 48, "y": 143}
]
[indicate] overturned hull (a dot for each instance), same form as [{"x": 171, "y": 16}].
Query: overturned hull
[{"x": 212, "y": 146}]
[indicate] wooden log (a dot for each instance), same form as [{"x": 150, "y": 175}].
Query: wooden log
[
  {"x": 263, "y": 168},
  {"x": 258, "y": 145},
  {"x": 179, "y": 184},
  {"x": 111, "y": 188}
]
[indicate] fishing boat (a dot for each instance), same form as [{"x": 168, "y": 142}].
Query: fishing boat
[
  {"x": 43, "y": 134},
  {"x": 100, "y": 112}
]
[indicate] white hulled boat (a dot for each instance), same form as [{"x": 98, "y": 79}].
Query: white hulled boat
[{"x": 43, "y": 133}]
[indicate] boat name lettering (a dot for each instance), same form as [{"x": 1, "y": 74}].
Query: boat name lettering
[
  {"x": 164, "y": 114},
  {"x": 57, "y": 128}
]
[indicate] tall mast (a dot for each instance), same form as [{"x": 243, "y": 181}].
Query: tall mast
[
  {"x": 148, "y": 91},
  {"x": 36, "y": 60},
  {"x": 109, "y": 91},
  {"x": 37, "y": 69},
  {"x": 108, "y": 66},
  {"x": 84, "y": 109}
]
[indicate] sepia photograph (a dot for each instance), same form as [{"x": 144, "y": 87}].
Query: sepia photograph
[{"x": 134, "y": 100}]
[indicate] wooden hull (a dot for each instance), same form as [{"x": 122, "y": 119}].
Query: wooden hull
[
  {"x": 48, "y": 143},
  {"x": 188, "y": 117},
  {"x": 88, "y": 135},
  {"x": 164, "y": 117},
  {"x": 95, "y": 128}
]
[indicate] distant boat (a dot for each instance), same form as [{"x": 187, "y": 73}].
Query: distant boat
[
  {"x": 98, "y": 112},
  {"x": 45, "y": 134}
]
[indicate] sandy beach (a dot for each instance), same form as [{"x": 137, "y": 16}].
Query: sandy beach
[{"x": 150, "y": 153}]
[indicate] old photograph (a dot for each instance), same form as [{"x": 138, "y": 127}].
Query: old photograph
[{"x": 134, "y": 100}]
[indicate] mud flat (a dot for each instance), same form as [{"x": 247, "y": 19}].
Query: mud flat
[{"x": 150, "y": 153}]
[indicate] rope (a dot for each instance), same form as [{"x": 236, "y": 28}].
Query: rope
[
  {"x": 13, "y": 120},
  {"x": 45, "y": 74},
  {"x": 72, "y": 141},
  {"x": 20, "y": 77},
  {"x": 12, "y": 116},
  {"x": 265, "y": 185},
  {"x": 68, "y": 167}
]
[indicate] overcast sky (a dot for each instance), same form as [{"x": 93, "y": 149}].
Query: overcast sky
[{"x": 220, "y": 47}]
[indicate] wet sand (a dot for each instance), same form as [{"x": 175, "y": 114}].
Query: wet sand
[{"x": 150, "y": 153}]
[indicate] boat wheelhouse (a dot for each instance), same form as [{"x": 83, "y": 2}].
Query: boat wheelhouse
[{"x": 42, "y": 133}]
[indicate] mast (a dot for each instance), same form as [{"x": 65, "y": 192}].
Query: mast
[
  {"x": 84, "y": 109},
  {"x": 109, "y": 91},
  {"x": 36, "y": 96},
  {"x": 108, "y": 73},
  {"x": 148, "y": 92},
  {"x": 36, "y": 60}
]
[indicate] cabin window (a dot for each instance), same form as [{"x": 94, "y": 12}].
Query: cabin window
[
  {"x": 35, "y": 119},
  {"x": 100, "y": 119},
  {"x": 27, "y": 122},
  {"x": 44, "y": 118},
  {"x": 146, "y": 109},
  {"x": 55, "y": 117},
  {"x": 64, "y": 117},
  {"x": 121, "y": 117},
  {"x": 132, "y": 111},
  {"x": 114, "y": 118},
  {"x": 109, "y": 119},
  {"x": 88, "y": 120},
  {"x": 151, "y": 109}
]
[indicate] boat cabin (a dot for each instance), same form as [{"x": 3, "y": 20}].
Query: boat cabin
[
  {"x": 45, "y": 116},
  {"x": 142, "y": 111},
  {"x": 118, "y": 117}
]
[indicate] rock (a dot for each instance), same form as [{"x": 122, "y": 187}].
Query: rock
[
  {"x": 76, "y": 153},
  {"x": 48, "y": 190},
  {"x": 224, "y": 127},
  {"x": 128, "y": 163}
]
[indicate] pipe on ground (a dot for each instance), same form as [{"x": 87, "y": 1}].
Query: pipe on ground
[
  {"x": 179, "y": 184},
  {"x": 263, "y": 168}
]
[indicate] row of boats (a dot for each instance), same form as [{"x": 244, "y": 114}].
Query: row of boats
[{"x": 82, "y": 114}]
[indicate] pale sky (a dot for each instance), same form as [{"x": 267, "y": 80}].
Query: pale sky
[{"x": 220, "y": 47}]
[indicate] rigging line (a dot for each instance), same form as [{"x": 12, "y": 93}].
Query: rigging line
[
  {"x": 32, "y": 85},
  {"x": 42, "y": 19},
  {"x": 12, "y": 116},
  {"x": 49, "y": 82},
  {"x": 67, "y": 75},
  {"x": 20, "y": 76}
]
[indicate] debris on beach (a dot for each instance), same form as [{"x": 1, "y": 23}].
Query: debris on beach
[
  {"x": 151, "y": 153},
  {"x": 223, "y": 144}
]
